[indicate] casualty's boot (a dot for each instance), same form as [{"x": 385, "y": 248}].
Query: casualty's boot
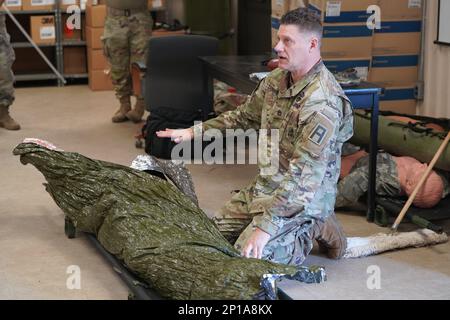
[
  {"x": 136, "y": 114},
  {"x": 6, "y": 121},
  {"x": 330, "y": 236},
  {"x": 121, "y": 114}
]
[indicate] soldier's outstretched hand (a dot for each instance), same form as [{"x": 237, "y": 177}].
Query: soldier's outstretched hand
[{"x": 177, "y": 135}]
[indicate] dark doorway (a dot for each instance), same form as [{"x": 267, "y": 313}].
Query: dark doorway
[{"x": 254, "y": 29}]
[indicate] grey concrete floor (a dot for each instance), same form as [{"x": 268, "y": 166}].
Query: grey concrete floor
[{"x": 35, "y": 255}]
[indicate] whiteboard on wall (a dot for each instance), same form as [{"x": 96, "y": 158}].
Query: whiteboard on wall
[{"x": 443, "y": 36}]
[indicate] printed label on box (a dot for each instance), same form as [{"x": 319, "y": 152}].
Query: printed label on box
[
  {"x": 414, "y": 3},
  {"x": 42, "y": 2},
  {"x": 333, "y": 9},
  {"x": 13, "y": 3},
  {"x": 47, "y": 33}
]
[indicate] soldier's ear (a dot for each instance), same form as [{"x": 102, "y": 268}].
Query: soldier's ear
[{"x": 313, "y": 43}]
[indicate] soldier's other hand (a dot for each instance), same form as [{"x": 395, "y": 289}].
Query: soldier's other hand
[
  {"x": 177, "y": 135},
  {"x": 254, "y": 246}
]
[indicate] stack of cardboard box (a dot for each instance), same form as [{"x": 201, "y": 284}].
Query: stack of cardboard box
[
  {"x": 98, "y": 68},
  {"x": 347, "y": 41},
  {"x": 388, "y": 56},
  {"x": 396, "y": 52}
]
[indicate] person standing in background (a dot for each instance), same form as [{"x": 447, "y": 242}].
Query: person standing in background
[
  {"x": 7, "y": 58},
  {"x": 128, "y": 28}
]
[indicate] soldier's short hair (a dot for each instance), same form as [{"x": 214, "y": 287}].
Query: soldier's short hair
[{"x": 308, "y": 20}]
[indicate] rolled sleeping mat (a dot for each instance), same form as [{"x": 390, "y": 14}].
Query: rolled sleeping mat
[{"x": 403, "y": 139}]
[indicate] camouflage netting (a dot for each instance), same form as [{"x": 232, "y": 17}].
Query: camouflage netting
[{"x": 157, "y": 231}]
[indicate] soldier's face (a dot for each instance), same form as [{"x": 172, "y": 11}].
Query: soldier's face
[{"x": 293, "y": 48}]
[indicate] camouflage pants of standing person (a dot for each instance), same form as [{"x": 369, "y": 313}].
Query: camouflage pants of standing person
[
  {"x": 291, "y": 245},
  {"x": 356, "y": 183},
  {"x": 7, "y": 58},
  {"x": 125, "y": 41}
]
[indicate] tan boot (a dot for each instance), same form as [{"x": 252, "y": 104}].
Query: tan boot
[
  {"x": 136, "y": 114},
  {"x": 330, "y": 236},
  {"x": 121, "y": 114},
  {"x": 6, "y": 121}
]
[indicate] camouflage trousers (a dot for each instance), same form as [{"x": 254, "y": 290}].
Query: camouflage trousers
[
  {"x": 291, "y": 245},
  {"x": 125, "y": 41},
  {"x": 7, "y": 58},
  {"x": 356, "y": 184}
]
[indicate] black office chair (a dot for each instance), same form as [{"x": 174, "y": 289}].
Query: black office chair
[{"x": 174, "y": 85}]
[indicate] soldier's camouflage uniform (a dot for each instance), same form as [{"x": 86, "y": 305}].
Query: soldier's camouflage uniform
[
  {"x": 314, "y": 118},
  {"x": 125, "y": 41},
  {"x": 352, "y": 187},
  {"x": 7, "y": 58}
]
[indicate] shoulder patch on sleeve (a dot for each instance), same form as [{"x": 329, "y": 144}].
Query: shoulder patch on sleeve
[{"x": 317, "y": 134}]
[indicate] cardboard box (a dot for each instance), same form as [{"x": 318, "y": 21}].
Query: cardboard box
[
  {"x": 97, "y": 60},
  {"x": 94, "y": 37},
  {"x": 394, "y": 70},
  {"x": 295, "y": 4},
  {"x": 398, "y": 37},
  {"x": 65, "y": 4},
  {"x": 12, "y": 5},
  {"x": 75, "y": 60},
  {"x": 343, "y": 11},
  {"x": 280, "y": 7},
  {"x": 346, "y": 41},
  {"x": 38, "y": 4},
  {"x": 95, "y": 16},
  {"x": 361, "y": 65},
  {"x": 274, "y": 37},
  {"x": 399, "y": 99},
  {"x": 43, "y": 29},
  {"x": 401, "y": 9},
  {"x": 99, "y": 80}
]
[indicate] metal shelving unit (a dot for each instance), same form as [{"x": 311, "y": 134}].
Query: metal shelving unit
[
  {"x": 34, "y": 77},
  {"x": 73, "y": 43},
  {"x": 59, "y": 45},
  {"x": 28, "y": 45}
]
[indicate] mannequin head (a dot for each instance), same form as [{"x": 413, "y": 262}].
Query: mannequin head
[{"x": 430, "y": 193}]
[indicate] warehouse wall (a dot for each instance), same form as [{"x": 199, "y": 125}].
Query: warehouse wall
[{"x": 437, "y": 69}]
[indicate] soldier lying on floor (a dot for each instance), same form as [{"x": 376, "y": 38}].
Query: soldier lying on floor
[{"x": 396, "y": 177}]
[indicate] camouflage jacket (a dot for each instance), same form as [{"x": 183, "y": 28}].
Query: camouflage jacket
[{"x": 314, "y": 119}]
